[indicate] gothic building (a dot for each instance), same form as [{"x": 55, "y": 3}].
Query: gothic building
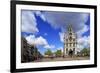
[{"x": 70, "y": 42}]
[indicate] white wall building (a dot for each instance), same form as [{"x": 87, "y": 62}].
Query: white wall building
[{"x": 70, "y": 42}]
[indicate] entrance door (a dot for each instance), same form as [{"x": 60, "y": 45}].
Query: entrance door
[{"x": 70, "y": 52}]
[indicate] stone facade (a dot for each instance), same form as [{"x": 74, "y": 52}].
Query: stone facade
[
  {"x": 29, "y": 52},
  {"x": 70, "y": 42}
]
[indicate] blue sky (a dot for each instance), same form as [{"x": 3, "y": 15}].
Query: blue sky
[{"x": 45, "y": 29}]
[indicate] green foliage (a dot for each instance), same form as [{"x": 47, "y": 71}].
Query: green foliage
[
  {"x": 85, "y": 52},
  {"x": 48, "y": 52},
  {"x": 58, "y": 53}
]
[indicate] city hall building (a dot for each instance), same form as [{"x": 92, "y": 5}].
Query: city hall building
[{"x": 70, "y": 42}]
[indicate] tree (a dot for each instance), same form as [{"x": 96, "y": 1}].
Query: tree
[
  {"x": 48, "y": 52},
  {"x": 58, "y": 53},
  {"x": 85, "y": 52}
]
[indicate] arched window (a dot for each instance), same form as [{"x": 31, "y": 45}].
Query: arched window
[
  {"x": 70, "y": 44},
  {"x": 70, "y": 38},
  {"x": 70, "y": 33},
  {"x": 66, "y": 40},
  {"x": 73, "y": 39},
  {"x": 73, "y": 44}
]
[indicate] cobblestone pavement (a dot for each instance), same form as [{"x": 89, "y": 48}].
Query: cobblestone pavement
[{"x": 61, "y": 59}]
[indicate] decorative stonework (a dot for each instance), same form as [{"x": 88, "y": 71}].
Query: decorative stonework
[{"x": 70, "y": 42}]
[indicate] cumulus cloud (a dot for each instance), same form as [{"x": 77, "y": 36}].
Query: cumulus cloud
[
  {"x": 82, "y": 31},
  {"x": 30, "y": 39},
  {"x": 38, "y": 41},
  {"x": 58, "y": 20},
  {"x": 83, "y": 42},
  {"x": 29, "y": 24},
  {"x": 62, "y": 19}
]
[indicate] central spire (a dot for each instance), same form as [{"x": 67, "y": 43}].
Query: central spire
[{"x": 69, "y": 28}]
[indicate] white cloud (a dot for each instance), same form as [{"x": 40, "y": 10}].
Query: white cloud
[
  {"x": 30, "y": 39},
  {"x": 38, "y": 13},
  {"x": 83, "y": 42},
  {"x": 29, "y": 24},
  {"x": 61, "y": 34},
  {"x": 58, "y": 20},
  {"x": 82, "y": 31},
  {"x": 39, "y": 41},
  {"x": 36, "y": 41},
  {"x": 49, "y": 46},
  {"x": 61, "y": 20}
]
